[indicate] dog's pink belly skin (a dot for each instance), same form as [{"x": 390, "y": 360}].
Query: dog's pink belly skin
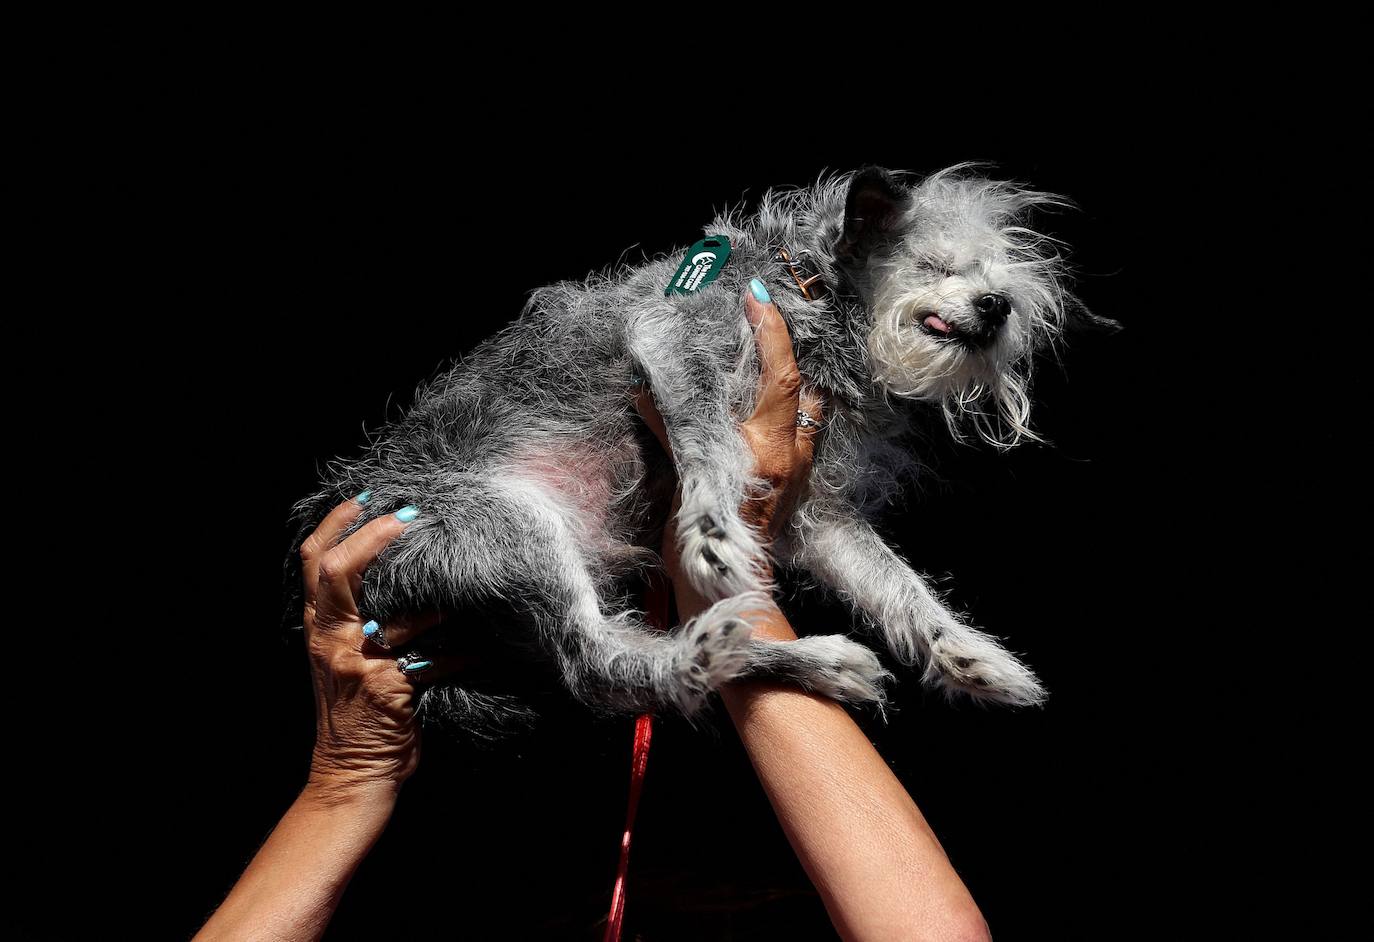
[{"x": 582, "y": 476}]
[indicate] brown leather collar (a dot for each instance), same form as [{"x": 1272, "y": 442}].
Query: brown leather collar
[{"x": 811, "y": 288}]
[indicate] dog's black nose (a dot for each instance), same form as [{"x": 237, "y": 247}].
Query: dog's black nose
[{"x": 994, "y": 308}]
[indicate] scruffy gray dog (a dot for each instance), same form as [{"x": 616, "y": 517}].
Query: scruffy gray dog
[{"x": 533, "y": 473}]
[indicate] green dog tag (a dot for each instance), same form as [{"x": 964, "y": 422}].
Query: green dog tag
[{"x": 701, "y": 266}]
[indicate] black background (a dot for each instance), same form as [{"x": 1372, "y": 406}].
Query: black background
[{"x": 318, "y": 260}]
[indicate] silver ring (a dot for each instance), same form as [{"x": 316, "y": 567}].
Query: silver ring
[
  {"x": 804, "y": 419},
  {"x": 413, "y": 665}
]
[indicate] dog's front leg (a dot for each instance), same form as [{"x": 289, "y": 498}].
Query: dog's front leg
[
  {"x": 847, "y": 555},
  {"x": 720, "y": 554}
]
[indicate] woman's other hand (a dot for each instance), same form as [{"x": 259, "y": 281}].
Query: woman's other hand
[
  {"x": 782, "y": 447},
  {"x": 366, "y": 736}
]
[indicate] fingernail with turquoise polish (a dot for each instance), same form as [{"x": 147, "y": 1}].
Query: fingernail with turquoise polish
[
  {"x": 760, "y": 292},
  {"x": 407, "y": 514},
  {"x": 370, "y": 630},
  {"x": 414, "y": 667},
  {"x": 364, "y": 497}
]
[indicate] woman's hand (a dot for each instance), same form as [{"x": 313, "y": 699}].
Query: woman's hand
[
  {"x": 366, "y": 737},
  {"x": 782, "y": 448},
  {"x": 366, "y": 743}
]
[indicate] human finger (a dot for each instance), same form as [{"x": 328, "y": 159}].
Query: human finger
[
  {"x": 396, "y": 632},
  {"x": 779, "y": 378},
  {"x": 812, "y": 405},
  {"x": 340, "y": 572},
  {"x": 325, "y": 536},
  {"x": 423, "y": 668}
]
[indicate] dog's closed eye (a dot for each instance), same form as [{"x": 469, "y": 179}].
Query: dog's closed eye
[{"x": 941, "y": 267}]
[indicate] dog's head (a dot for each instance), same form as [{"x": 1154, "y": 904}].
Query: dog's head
[{"x": 960, "y": 292}]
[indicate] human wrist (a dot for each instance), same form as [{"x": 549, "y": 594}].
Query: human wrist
[
  {"x": 360, "y": 813},
  {"x": 331, "y": 787},
  {"x": 768, "y": 622}
]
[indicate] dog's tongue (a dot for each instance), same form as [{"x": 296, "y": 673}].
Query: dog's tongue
[{"x": 934, "y": 323}]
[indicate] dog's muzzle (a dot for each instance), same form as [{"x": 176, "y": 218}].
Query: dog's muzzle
[{"x": 991, "y": 312}]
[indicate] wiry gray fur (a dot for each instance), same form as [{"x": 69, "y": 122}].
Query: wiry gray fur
[{"x": 532, "y": 471}]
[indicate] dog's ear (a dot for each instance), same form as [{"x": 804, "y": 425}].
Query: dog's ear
[
  {"x": 1078, "y": 319},
  {"x": 872, "y": 212}
]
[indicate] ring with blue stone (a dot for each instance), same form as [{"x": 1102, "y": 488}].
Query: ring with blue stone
[
  {"x": 413, "y": 665},
  {"x": 377, "y": 635}
]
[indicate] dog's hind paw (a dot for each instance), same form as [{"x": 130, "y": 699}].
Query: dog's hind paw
[
  {"x": 713, "y": 649},
  {"x": 846, "y": 671},
  {"x": 966, "y": 661},
  {"x": 831, "y": 665}
]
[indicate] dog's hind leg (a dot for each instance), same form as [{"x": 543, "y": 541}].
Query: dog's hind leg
[
  {"x": 848, "y": 556},
  {"x": 510, "y": 539},
  {"x": 614, "y": 660}
]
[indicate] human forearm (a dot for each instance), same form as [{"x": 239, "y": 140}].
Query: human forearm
[
  {"x": 366, "y": 744},
  {"x": 863, "y": 842},
  {"x": 876, "y": 863},
  {"x": 294, "y": 883}
]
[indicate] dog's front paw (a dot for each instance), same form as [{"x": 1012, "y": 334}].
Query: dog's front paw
[
  {"x": 965, "y": 661},
  {"x": 718, "y": 553},
  {"x": 713, "y": 648}
]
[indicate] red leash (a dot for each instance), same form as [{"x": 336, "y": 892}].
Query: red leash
[
  {"x": 644, "y": 728},
  {"x": 656, "y": 605}
]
